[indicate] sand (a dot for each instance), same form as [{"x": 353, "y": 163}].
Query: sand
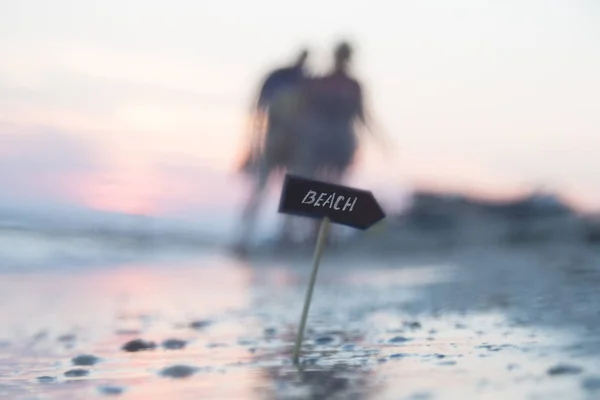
[{"x": 474, "y": 322}]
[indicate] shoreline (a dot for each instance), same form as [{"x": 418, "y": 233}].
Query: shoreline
[{"x": 507, "y": 316}]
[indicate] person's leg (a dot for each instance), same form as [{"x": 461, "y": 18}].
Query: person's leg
[
  {"x": 286, "y": 230},
  {"x": 299, "y": 163},
  {"x": 252, "y": 207},
  {"x": 284, "y": 153}
]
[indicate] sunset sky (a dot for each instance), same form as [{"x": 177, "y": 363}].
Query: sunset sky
[{"x": 139, "y": 105}]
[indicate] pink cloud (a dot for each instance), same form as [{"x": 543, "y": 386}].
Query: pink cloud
[
  {"x": 41, "y": 164},
  {"x": 187, "y": 186}
]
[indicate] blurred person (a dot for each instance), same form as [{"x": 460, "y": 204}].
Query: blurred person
[
  {"x": 272, "y": 109},
  {"x": 272, "y": 139},
  {"x": 333, "y": 109}
]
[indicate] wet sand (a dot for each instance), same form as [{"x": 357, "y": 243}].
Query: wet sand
[{"x": 476, "y": 323}]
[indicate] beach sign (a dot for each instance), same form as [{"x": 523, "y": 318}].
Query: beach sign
[
  {"x": 330, "y": 204},
  {"x": 340, "y": 204}
]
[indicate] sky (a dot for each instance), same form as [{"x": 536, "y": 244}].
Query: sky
[{"x": 138, "y": 106}]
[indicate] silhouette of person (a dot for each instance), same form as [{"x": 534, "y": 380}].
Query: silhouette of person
[
  {"x": 332, "y": 106},
  {"x": 271, "y": 147}
]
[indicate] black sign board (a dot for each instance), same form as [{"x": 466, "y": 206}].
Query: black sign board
[{"x": 341, "y": 204}]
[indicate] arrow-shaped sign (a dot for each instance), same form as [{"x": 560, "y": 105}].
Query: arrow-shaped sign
[
  {"x": 327, "y": 202},
  {"x": 340, "y": 204}
]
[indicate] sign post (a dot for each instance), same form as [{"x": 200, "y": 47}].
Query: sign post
[{"x": 329, "y": 203}]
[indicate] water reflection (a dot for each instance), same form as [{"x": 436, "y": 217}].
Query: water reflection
[
  {"x": 336, "y": 382},
  {"x": 364, "y": 339},
  {"x": 325, "y": 372},
  {"x": 339, "y": 358}
]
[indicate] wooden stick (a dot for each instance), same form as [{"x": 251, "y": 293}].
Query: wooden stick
[{"x": 323, "y": 232}]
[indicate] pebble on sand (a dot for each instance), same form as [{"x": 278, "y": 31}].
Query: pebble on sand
[
  {"x": 324, "y": 340},
  {"x": 85, "y": 360},
  {"x": 41, "y": 335},
  {"x": 69, "y": 337},
  {"x": 77, "y": 372},
  {"x": 564, "y": 369},
  {"x": 179, "y": 371},
  {"x": 111, "y": 390},
  {"x": 512, "y": 366},
  {"x": 174, "y": 344},
  {"x": 200, "y": 324},
  {"x": 491, "y": 347},
  {"x": 447, "y": 363},
  {"x": 270, "y": 332},
  {"x": 413, "y": 325},
  {"x": 399, "y": 339},
  {"x": 138, "y": 345},
  {"x": 215, "y": 345},
  {"x": 128, "y": 332},
  {"x": 591, "y": 383}
]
